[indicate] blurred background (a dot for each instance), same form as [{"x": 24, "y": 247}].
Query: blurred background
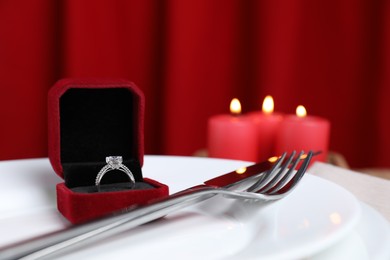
[{"x": 191, "y": 57}]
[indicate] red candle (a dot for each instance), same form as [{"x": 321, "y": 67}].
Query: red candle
[
  {"x": 267, "y": 123},
  {"x": 301, "y": 132},
  {"x": 232, "y": 136}
]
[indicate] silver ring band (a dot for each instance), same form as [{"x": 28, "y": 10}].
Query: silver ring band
[{"x": 114, "y": 163}]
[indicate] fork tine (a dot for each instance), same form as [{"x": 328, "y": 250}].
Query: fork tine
[
  {"x": 281, "y": 173},
  {"x": 266, "y": 178},
  {"x": 298, "y": 174},
  {"x": 284, "y": 176}
]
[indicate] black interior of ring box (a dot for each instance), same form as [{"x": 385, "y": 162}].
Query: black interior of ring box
[{"x": 95, "y": 123}]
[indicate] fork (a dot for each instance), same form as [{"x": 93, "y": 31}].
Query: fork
[{"x": 272, "y": 185}]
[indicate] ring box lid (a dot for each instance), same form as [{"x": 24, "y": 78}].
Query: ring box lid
[{"x": 90, "y": 119}]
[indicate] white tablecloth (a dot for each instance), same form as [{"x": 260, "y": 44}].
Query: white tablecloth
[{"x": 369, "y": 189}]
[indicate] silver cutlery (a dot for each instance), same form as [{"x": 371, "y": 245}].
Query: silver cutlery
[{"x": 264, "y": 181}]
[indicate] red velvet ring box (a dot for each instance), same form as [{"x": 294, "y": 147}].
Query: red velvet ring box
[{"x": 90, "y": 119}]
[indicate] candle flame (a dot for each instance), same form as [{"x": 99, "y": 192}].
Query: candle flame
[
  {"x": 273, "y": 159},
  {"x": 303, "y": 156},
  {"x": 268, "y": 105},
  {"x": 301, "y": 111},
  {"x": 241, "y": 170},
  {"x": 335, "y": 218},
  {"x": 235, "y": 106}
]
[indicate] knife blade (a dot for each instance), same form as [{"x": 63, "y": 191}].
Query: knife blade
[
  {"x": 78, "y": 235},
  {"x": 239, "y": 175}
]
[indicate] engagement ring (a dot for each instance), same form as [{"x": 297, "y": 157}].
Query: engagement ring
[{"x": 114, "y": 163}]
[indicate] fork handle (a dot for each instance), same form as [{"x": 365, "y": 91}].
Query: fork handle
[{"x": 73, "y": 237}]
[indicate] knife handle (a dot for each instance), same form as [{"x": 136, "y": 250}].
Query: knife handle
[{"x": 79, "y": 235}]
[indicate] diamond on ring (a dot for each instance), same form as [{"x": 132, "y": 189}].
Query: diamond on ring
[{"x": 114, "y": 163}]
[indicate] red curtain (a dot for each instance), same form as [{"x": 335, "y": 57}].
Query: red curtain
[{"x": 192, "y": 57}]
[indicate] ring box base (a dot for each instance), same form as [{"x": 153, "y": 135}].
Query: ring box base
[{"x": 80, "y": 207}]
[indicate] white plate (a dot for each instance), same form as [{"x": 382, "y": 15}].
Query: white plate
[
  {"x": 369, "y": 240},
  {"x": 314, "y": 217}
]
